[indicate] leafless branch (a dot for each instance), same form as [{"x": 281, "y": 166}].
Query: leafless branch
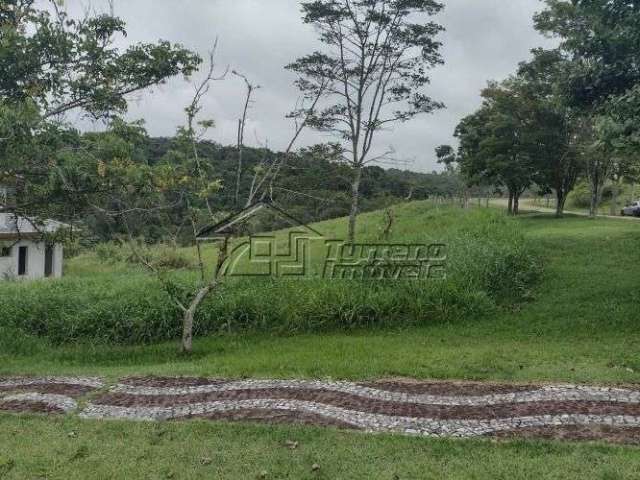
[{"x": 242, "y": 122}]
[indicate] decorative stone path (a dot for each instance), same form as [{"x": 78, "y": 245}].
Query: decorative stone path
[
  {"x": 46, "y": 394},
  {"x": 433, "y": 409}
]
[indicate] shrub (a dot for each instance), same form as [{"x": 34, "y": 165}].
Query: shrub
[
  {"x": 170, "y": 258},
  {"x": 109, "y": 252}
]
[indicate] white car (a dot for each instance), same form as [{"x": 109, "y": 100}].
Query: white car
[{"x": 632, "y": 210}]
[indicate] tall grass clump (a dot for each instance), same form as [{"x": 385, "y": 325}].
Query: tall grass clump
[{"x": 489, "y": 266}]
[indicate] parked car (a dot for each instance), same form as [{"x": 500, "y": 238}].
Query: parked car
[{"x": 632, "y": 210}]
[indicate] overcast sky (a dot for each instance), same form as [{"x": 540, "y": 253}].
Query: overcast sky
[{"x": 484, "y": 40}]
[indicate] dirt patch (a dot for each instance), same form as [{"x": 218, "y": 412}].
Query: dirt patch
[
  {"x": 415, "y": 387},
  {"x": 73, "y": 391},
  {"x": 171, "y": 382},
  {"x": 274, "y": 417},
  {"x": 26, "y": 406}
]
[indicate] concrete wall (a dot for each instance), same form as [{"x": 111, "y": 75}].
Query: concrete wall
[{"x": 35, "y": 261}]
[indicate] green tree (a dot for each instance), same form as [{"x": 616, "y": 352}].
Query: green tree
[
  {"x": 600, "y": 38},
  {"x": 554, "y": 133},
  {"x": 53, "y": 64},
  {"x": 495, "y": 140},
  {"x": 453, "y": 163}
]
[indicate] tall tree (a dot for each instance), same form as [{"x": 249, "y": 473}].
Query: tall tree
[
  {"x": 375, "y": 64},
  {"x": 554, "y": 135},
  {"x": 448, "y": 156},
  {"x": 504, "y": 150},
  {"x": 600, "y": 39}
]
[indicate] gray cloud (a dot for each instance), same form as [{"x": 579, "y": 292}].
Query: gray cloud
[{"x": 484, "y": 40}]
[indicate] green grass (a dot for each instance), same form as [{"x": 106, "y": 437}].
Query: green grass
[
  {"x": 43, "y": 448},
  {"x": 582, "y": 325}
]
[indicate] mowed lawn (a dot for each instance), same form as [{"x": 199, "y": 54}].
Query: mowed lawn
[
  {"x": 72, "y": 449},
  {"x": 582, "y": 326}
]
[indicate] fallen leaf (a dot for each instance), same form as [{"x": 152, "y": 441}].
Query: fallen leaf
[{"x": 291, "y": 445}]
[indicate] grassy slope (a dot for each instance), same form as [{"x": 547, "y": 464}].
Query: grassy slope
[
  {"x": 582, "y": 326},
  {"x": 121, "y": 305}
]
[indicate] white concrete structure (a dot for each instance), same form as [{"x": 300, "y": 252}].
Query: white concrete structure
[{"x": 24, "y": 251}]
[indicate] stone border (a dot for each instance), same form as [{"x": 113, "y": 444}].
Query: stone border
[
  {"x": 538, "y": 394},
  {"x": 45, "y": 394},
  {"x": 433, "y": 409}
]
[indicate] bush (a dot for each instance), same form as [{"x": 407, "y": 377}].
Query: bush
[
  {"x": 489, "y": 265},
  {"x": 170, "y": 258},
  {"x": 109, "y": 253}
]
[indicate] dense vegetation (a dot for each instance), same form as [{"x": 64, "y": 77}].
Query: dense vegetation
[
  {"x": 489, "y": 265},
  {"x": 565, "y": 124},
  {"x": 311, "y": 187}
]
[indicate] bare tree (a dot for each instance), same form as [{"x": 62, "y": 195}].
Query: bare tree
[
  {"x": 193, "y": 110},
  {"x": 177, "y": 189},
  {"x": 266, "y": 173},
  {"x": 377, "y": 55},
  {"x": 242, "y": 123}
]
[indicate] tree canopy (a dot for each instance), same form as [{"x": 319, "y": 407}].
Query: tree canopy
[{"x": 53, "y": 64}]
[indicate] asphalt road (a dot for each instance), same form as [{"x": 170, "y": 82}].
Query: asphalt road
[{"x": 503, "y": 202}]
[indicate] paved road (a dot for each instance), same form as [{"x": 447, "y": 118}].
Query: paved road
[{"x": 534, "y": 208}]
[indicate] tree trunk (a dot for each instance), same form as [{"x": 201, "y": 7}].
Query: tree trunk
[
  {"x": 561, "y": 198},
  {"x": 614, "y": 199},
  {"x": 510, "y": 207},
  {"x": 355, "y": 200},
  {"x": 593, "y": 207},
  {"x": 595, "y": 185},
  {"x": 201, "y": 295},
  {"x": 516, "y": 204},
  {"x": 189, "y": 313},
  {"x": 239, "y": 166},
  {"x": 466, "y": 198}
]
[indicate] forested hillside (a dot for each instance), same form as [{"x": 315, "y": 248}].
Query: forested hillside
[{"x": 313, "y": 184}]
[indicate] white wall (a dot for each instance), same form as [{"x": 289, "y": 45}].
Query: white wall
[{"x": 35, "y": 261}]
